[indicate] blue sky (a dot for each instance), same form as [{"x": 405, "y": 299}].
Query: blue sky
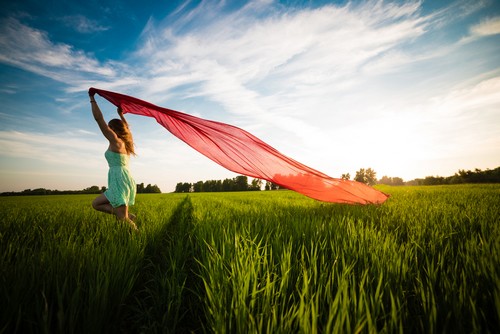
[{"x": 409, "y": 89}]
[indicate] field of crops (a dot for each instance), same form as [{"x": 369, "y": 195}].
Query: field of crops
[{"x": 428, "y": 260}]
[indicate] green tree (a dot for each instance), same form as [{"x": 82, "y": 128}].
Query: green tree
[
  {"x": 368, "y": 176},
  {"x": 198, "y": 187},
  {"x": 227, "y": 185},
  {"x": 153, "y": 189},
  {"x": 256, "y": 184},
  {"x": 212, "y": 186},
  {"x": 183, "y": 187},
  {"x": 241, "y": 182}
]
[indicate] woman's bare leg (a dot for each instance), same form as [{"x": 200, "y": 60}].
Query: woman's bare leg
[
  {"x": 101, "y": 203},
  {"x": 121, "y": 213}
]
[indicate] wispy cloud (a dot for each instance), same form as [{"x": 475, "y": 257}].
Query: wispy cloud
[
  {"x": 9, "y": 89},
  {"x": 56, "y": 149},
  {"x": 32, "y": 50},
  {"x": 83, "y": 24},
  {"x": 470, "y": 104},
  {"x": 240, "y": 59},
  {"x": 464, "y": 121},
  {"x": 487, "y": 27}
]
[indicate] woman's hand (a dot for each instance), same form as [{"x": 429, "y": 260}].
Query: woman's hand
[{"x": 92, "y": 91}]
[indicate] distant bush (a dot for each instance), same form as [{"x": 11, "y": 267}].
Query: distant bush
[{"x": 90, "y": 190}]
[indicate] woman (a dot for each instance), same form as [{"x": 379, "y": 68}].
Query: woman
[{"x": 121, "y": 186}]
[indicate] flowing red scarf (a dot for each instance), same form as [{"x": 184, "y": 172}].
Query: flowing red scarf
[{"x": 243, "y": 153}]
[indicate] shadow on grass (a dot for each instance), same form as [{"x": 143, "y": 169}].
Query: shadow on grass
[{"x": 165, "y": 298}]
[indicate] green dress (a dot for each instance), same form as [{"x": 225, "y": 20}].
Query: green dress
[{"x": 121, "y": 186}]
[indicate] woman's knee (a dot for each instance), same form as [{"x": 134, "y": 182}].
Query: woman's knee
[
  {"x": 96, "y": 203},
  {"x": 99, "y": 201}
]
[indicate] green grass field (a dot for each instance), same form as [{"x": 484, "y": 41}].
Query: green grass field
[{"x": 427, "y": 261}]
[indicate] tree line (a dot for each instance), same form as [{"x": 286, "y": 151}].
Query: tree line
[
  {"x": 462, "y": 176},
  {"x": 363, "y": 175},
  {"x": 149, "y": 189},
  {"x": 239, "y": 183},
  {"x": 368, "y": 176}
]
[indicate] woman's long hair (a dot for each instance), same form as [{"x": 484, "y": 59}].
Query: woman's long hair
[{"x": 123, "y": 132}]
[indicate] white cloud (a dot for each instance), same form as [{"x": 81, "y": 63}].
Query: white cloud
[
  {"x": 488, "y": 27},
  {"x": 66, "y": 149},
  {"x": 462, "y": 103},
  {"x": 32, "y": 50}
]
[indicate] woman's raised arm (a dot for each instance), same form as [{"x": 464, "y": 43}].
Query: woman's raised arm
[
  {"x": 96, "y": 112},
  {"x": 120, "y": 112}
]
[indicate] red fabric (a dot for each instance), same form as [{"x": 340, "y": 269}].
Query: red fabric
[{"x": 243, "y": 153}]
